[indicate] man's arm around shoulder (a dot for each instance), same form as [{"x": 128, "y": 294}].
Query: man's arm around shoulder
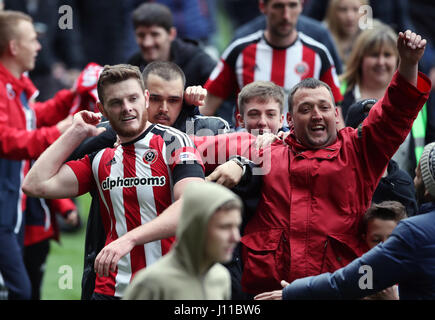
[{"x": 162, "y": 227}]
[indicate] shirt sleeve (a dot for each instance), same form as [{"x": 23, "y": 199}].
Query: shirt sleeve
[
  {"x": 183, "y": 158},
  {"x": 52, "y": 111},
  {"x": 19, "y": 143},
  {"x": 218, "y": 149},
  {"x": 83, "y": 170},
  {"x": 330, "y": 77},
  {"x": 328, "y": 74},
  {"x": 390, "y": 119},
  {"x": 62, "y": 206},
  {"x": 222, "y": 81}
]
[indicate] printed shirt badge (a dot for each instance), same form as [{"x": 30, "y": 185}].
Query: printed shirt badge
[
  {"x": 187, "y": 156},
  {"x": 302, "y": 68},
  {"x": 150, "y": 156}
]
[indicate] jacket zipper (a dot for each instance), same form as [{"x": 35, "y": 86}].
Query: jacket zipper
[{"x": 324, "y": 255}]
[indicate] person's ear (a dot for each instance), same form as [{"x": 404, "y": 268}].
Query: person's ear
[
  {"x": 13, "y": 47},
  {"x": 240, "y": 120},
  {"x": 172, "y": 33},
  {"x": 289, "y": 119},
  {"x": 101, "y": 109},
  {"x": 281, "y": 120},
  {"x": 147, "y": 98}
]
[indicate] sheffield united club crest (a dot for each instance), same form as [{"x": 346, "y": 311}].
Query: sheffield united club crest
[
  {"x": 302, "y": 68},
  {"x": 150, "y": 156}
]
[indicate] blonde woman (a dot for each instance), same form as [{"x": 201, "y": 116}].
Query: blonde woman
[
  {"x": 342, "y": 20},
  {"x": 371, "y": 65}
]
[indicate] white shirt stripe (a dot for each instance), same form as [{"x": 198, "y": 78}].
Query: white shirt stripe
[
  {"x": 116, "y": 195},
  {"x": 145, "y": 194},
  {"x": 95, "y": 165},
  {"x": 263, "y": 62}
]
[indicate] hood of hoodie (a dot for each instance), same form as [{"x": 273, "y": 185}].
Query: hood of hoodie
[
  {"x": 17, "y": 86},
  {"x": 187, "y": 113},
  {"x": 200, "y": 201}
]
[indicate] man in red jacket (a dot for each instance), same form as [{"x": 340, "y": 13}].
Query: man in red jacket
[
  {"x": 322, "y": 180},
  {"x": 26, "y": 129}
]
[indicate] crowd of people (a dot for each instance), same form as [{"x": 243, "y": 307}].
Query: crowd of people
[{"x": 272, "y": 172}]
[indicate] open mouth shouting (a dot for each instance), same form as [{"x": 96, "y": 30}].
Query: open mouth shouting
[{"x": 318, "y": 129}]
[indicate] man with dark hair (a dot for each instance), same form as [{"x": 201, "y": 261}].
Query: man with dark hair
[
  {"x": 171, "y": 105},
  {"x": 380, "y": 220},
  {"x": 164, "y": 69},
  {"x": 138, "y": 182},
  {"x": 157, "y": 39},
  {"x": 307, "y": 25},
  {"x": 406, "y": 258}
]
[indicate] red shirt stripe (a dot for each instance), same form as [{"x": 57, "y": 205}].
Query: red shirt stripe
[
  {"x": 249, "y": 65},
  {"x": 109, "y": 221},
  {"x": 328, "y": 78},
  {"x": 278, "y": 67},
  {"x": 309, "y": 57}
]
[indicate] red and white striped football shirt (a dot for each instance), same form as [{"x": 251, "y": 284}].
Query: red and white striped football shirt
[
  {"x": 135, "y": 183},
  {"x": 252, "y": 58}
]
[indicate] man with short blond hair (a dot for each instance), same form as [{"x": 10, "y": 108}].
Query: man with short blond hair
[
  {"x": 8, "y": 30},
  {"x": 261, "y": 105},
  {"x": 26, "y": 130}
]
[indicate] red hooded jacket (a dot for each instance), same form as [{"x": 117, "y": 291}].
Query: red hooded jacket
[{"x": 312, "y": 201}]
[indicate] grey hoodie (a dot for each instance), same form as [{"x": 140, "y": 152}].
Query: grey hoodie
[{"x": 176, "y": 275}]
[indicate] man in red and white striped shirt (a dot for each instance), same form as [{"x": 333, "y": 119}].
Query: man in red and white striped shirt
[
  {"x": 279, "y": 54},
  {"x": 137, "y": 181}
]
